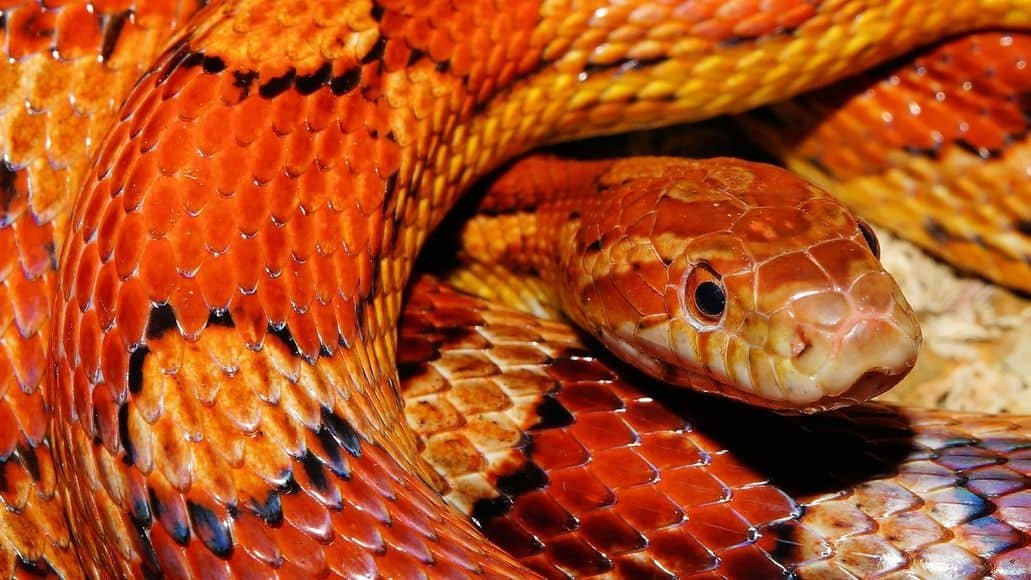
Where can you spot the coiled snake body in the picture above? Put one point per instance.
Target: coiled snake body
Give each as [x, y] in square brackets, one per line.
[221, 345]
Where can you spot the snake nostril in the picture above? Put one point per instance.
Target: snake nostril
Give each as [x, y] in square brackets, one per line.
[801, 344]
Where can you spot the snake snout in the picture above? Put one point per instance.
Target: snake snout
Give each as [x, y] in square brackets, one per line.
[857, 342]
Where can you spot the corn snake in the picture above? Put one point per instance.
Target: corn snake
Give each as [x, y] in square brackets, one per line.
[598, 107]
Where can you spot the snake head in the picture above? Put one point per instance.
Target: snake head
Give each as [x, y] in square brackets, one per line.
[741, 279]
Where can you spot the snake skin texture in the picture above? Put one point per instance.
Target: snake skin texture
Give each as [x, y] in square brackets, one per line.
[958, 119]
[595, 471]
[251, 211]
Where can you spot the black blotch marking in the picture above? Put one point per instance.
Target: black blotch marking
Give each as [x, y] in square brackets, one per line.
[343, 433]
[377, 11]
[346, 81]
[552, 415]
[220, 317]
[313, 469]
[179, 530]
[40, 568]
[937, 231]
[271, 511]
[282, 332]
[415, 56]
[1023, 226]
[123, 434]
[141, 514]
[376, 52]
[443, 66]
[213, 64]
[28, 458]
[192, 60]
[8, 190]
[275, 86]
[136, 368]
[767, 116]
[573, 215]
[337, 463]
[308, 84]
[150, 566]
[243, 80]
[983, 152]
[594, 246]
[161, 320]
[112, 25]
[485, 510]
[529, 477]
[289, 486]
[210, 529]
[786, 540]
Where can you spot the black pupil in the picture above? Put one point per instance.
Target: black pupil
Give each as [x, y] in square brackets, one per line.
[871, 239]
[710, 298]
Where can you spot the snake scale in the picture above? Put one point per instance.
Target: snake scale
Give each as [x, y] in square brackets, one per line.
[210, 215]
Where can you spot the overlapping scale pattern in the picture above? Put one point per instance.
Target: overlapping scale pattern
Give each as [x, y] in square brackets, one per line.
[66, 67]
[955, 121]
[614, 477]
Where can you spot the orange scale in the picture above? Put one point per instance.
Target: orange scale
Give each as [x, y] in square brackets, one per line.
[319, 112]
[31, 303]
[305, 513]
[763, 505]
[191, 313]
[216, 287]
[602, 431]
[256, 538]
[679, 553]
[250, 320]
[139, 181]
[9, 432]
[175, 148]
[116, 366]
[180, 77]
[274, 298]
[694, 486]
[302, 555]
[210, 135]
[348, 559]
[302, 329]
[105, 418]
[356, 527]
[205, 564]
[187, 239]
[197, 96]
[159, 120]
[78, 32]
[246, 262]
[89, 341]
[31, 411]
[286, 113]
[18, 486]
[30, 30]
[85, 276]
[217, 223]
[247, 121]
[346, 314]
[578, 491]
[161, 208]
[28, 358]
[156, 273]
[328, 147]
[283, 198]
[265, 160]
[299, 153]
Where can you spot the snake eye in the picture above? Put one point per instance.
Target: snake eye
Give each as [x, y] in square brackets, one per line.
[710, 298]
[704, 294]
[871, 238]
